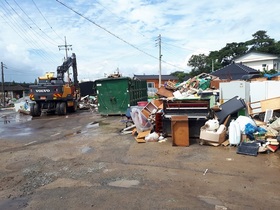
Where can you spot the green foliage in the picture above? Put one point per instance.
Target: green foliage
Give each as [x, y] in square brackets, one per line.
[180, 74]
[260, 42]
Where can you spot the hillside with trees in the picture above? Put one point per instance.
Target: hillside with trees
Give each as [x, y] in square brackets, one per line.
[202, 63]
[260, 42]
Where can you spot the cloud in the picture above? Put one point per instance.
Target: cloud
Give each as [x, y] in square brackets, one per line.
[122, 34]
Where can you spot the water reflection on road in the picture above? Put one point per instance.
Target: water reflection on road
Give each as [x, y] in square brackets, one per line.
[9, 117]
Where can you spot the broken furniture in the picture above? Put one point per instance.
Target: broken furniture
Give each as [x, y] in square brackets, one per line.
[196, 109]
[263, 105]
[230, 107]
[180, 130]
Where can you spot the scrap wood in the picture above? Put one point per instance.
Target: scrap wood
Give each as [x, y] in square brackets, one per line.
[164, 92]
[141, 136]
[225, 143]
[171, 85]
[202, 142]
[140, 140]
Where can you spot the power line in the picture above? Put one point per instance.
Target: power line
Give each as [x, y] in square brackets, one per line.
[184, 48]
[135, 47]
[46, 20]
[17, 28]
[117, 17]
[28, 38]
[36, 25]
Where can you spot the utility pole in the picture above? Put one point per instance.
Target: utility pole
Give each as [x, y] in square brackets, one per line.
[3, 89]
[160, 55]
[66, 47]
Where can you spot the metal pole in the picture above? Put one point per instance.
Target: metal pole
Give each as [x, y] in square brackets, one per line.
[3, 89]
[66, 47]
[159, 45]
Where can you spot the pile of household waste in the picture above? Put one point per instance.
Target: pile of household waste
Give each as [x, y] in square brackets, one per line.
[200, 85]
[88, 102]
[224, 126]
[22, 105]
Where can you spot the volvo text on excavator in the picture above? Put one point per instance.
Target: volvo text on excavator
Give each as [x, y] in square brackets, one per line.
[54, 94]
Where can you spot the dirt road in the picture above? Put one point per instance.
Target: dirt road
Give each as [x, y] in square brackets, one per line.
[82, 161]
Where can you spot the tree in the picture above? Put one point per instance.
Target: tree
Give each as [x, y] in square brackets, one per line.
[198, 64]
[180, 74]
[261, 42]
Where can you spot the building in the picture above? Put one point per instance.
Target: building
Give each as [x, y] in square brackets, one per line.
[260, 61]
[13, 91]
[153, 81]
[235, 71]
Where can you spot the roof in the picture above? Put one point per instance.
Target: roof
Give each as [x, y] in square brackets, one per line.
[163, 77]
[234, 71]
[255, 56]
[15, 88]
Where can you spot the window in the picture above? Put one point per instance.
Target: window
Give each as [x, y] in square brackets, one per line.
[150, 84]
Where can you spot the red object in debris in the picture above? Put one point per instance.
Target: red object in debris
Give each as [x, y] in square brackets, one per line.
[272, 148]
[142, 103]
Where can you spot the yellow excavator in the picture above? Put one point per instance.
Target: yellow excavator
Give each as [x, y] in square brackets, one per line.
[54, 94]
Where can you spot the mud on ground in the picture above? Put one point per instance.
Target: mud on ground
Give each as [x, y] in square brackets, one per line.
[89, 164]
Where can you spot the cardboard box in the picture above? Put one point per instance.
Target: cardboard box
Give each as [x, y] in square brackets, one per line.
[212, 136]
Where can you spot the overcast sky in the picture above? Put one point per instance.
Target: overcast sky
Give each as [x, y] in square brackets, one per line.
[107, 35]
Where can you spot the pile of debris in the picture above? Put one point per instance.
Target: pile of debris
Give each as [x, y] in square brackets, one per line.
[232, 123]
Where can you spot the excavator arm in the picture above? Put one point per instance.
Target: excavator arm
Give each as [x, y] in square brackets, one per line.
[70, 62]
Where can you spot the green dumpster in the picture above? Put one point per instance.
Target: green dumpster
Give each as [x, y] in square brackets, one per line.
[116, 95]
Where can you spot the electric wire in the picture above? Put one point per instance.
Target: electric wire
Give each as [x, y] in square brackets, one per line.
[50, 39]
[118, 17]
[19, 30]
[116, 36]
[34, 34]
[47, 21]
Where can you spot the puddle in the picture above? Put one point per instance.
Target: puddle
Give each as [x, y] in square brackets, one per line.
[93, 125]
[24, 132]
[10, 116]
[124, 183]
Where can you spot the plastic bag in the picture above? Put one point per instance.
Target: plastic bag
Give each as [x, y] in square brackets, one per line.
[140, 121]
[243, 121]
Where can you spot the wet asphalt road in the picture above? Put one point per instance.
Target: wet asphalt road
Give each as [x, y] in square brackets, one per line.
[23, 128]
[82, 161]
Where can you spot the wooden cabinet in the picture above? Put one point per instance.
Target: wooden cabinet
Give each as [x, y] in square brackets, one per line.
[180, 130]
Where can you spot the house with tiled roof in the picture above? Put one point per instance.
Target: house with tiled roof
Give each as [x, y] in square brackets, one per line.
[235, 71]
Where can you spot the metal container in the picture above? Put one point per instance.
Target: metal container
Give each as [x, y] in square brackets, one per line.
[116, 95]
